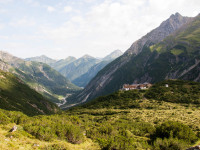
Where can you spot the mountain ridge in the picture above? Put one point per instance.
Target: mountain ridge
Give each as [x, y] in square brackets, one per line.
[80, 71]
[98, 85]
[37, 75]
[42, 58]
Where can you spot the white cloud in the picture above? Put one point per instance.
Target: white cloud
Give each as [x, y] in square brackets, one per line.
[5, 1]
[50, 9]
[2, 26]
[67, 9]
[114, 25]
[99, 28]
[23, 22]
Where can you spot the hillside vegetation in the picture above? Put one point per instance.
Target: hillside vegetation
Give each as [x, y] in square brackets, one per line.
[124, 120]
[15, 95]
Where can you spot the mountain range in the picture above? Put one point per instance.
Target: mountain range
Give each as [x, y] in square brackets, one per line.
[78, 71]
[38, 76]
[170, 51]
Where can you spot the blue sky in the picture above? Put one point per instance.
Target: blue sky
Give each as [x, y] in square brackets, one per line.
[61, 28]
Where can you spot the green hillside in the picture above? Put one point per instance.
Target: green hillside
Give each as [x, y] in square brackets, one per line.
[124, 120]
[15, 95]
[178, 91]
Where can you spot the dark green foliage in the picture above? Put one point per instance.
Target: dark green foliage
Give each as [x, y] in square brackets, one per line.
[178, 91]
[118, 136]
[55, 147]
[171, 129]
[4, 119]
[120, 100]
[54, 127]
[169, 144]
[47, 128]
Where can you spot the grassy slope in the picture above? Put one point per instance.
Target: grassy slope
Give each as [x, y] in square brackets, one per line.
[15, 95]
[122, 119]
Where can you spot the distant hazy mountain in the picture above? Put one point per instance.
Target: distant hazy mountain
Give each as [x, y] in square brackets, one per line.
[78, 71]
[62, 63]
[78, 67]
[42, 58]
[37, 75]
[15, 95]
[84, 79]
[113, 55]
[150, 59]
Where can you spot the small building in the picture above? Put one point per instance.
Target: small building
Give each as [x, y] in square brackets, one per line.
[143, 86]
[128, 87]
[148, 85]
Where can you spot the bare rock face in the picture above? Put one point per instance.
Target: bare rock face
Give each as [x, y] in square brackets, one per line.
[4, 66]
[98, 84]
[194, 148]
[8, 58]
[166, 28]
[14, 128]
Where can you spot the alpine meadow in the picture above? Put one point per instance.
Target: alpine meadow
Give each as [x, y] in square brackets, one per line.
[99, 75]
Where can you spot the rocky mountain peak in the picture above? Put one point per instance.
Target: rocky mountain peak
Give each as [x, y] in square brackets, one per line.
[6, 57]
[176, 15]
[113, 55]
[106, 79]
[86, 56]
[42, 58]
[167, 27]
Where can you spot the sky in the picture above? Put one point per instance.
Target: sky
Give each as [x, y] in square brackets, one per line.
[62, 28]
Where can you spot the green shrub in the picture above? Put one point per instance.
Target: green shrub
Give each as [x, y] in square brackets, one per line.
[172, 129]
[168, 144]
[4, 119]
